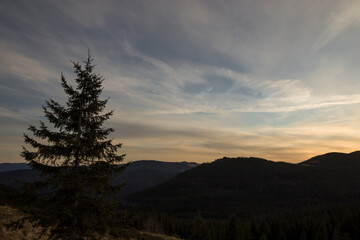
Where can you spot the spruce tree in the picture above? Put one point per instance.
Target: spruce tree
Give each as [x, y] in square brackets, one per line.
[77, 161]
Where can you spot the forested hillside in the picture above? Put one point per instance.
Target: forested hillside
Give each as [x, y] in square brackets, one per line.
[252, 185]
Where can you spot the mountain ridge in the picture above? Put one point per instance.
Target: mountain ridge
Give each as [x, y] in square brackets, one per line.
[239, 185]
[5, 167]
[244, 185]
[139, 175]
[337, 158]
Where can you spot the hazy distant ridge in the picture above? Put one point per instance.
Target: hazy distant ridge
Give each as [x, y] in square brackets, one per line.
[139, 175]
[4, 167]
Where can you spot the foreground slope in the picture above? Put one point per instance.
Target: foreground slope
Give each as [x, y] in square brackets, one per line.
[30, 231]
[248, 185]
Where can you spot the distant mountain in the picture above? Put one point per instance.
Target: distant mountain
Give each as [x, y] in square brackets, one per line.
[248, 185]
[148, 173]
[4, 167]
[12, 178]
[335, 160]
[139, 175]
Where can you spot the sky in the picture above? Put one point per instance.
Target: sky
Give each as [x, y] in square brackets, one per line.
[191, 80]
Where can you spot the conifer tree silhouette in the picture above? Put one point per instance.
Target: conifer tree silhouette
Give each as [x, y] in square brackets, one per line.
[77, 161]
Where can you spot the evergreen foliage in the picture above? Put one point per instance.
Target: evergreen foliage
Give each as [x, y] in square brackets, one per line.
[331, 221]
[77, 162]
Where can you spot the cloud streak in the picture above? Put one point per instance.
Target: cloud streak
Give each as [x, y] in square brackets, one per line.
[192, 80]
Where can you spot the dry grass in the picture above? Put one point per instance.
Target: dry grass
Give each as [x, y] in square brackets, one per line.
[29, 232]
[163, 237]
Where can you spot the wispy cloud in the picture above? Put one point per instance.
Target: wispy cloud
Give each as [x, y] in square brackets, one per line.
[20, 66]
[338, 22]
[193, 80]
